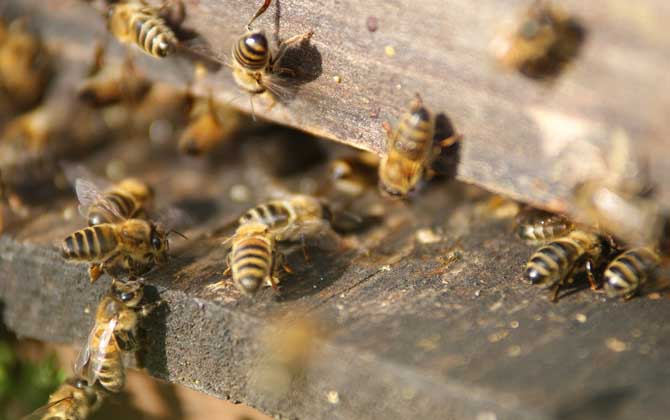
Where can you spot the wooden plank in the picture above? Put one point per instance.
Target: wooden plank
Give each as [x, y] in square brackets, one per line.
[403, 328]
[529, 140]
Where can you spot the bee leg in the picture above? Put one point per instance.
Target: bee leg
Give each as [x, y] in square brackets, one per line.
[589, 265]
[451, 140]
[280, 260]
[304, 248]
[146, 309]
[127, 341]
[94, 272]
[297, 39]
[557, 288]
[228, 269]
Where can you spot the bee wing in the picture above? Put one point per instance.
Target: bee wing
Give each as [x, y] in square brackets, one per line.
[84, 355]
[39, 414]
[99, 351]
[74, 171]
[89, 194]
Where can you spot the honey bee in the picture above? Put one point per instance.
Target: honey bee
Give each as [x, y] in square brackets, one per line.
[628, 272]
[113, 334]
[75, 399]
[292, 218]
[354, 174]
[209, 126]
[135, 22]
[129, 199]
[253, 258]
[114, 84]
[128, 246]
[25, 65]
[544, 40]
[255, 67]
[411, 149]
[536, 226]
[554, 264]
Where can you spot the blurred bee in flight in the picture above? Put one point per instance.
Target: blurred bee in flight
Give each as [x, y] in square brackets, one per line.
[25, 64]
[75, 399]
[411, 150]
[553, 265]
[135, 22]
[256, 68]
[115, 242]
[113, 335]
[353, 175]
[543, 41]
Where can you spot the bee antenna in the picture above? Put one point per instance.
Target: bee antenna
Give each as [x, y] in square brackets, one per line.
[177, 233]
[259, 12]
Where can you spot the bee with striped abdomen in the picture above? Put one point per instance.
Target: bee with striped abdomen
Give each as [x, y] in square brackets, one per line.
[131, 246]
[292, 218]
[130, 198]
[535, 226]
[411, 149]
[253, 258]
[75, 399]
[113, 335]
[135, 22]
[543, 41]
[554, 264]
[255, 67]
[628, 272]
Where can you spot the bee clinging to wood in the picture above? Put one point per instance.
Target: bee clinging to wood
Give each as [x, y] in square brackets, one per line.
[255, 67]
[543, 41]
[554, 264]
[114, 333]
[150, 28]
[629, 272]
[210, 125]
[74, 399]
[411, 149]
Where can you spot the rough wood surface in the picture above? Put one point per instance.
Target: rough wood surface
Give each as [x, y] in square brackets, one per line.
[532, 141]
[407, 329]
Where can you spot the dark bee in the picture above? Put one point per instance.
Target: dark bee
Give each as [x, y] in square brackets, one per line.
[538, 226]
[554, 264]
[631, 270]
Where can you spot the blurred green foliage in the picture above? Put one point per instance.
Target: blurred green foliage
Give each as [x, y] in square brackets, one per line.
[25, 385]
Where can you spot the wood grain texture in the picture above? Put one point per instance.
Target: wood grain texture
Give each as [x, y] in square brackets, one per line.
[532, 141]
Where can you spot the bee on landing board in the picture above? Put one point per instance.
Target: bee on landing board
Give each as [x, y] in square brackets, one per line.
[543, 41]
[554, 264]
[629, 272]
[255, 67]
[113, 334]
[150, 28]
[411, 150]
[120, 245]
[254, 258]
[75, 399]
[292, 218]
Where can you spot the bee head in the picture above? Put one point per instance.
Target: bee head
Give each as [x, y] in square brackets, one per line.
[130, 293]
[159, 245]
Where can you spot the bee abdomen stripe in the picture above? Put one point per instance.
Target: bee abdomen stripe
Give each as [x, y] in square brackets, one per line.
[93, 245]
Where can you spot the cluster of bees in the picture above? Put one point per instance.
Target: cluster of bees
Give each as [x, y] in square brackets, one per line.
[125, 238]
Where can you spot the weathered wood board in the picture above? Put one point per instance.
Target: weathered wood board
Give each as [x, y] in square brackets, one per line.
[407, 329]
[529, 140]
